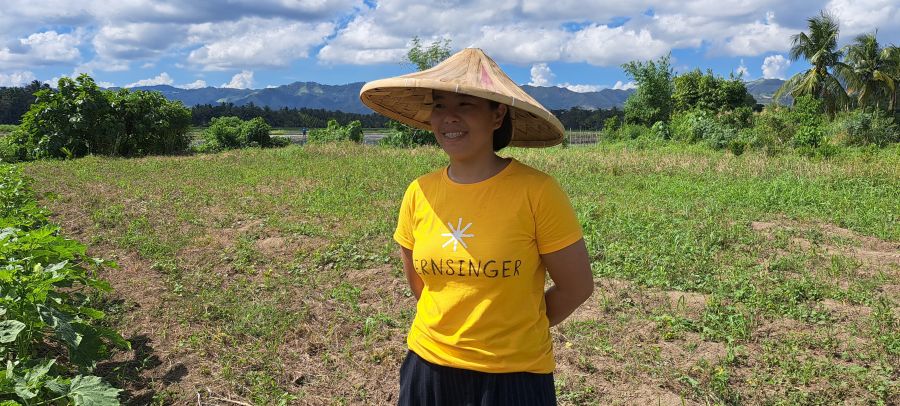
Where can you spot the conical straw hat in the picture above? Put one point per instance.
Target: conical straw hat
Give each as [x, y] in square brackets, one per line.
[407, 98]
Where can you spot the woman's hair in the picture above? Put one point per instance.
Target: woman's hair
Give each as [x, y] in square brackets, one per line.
[502, 135]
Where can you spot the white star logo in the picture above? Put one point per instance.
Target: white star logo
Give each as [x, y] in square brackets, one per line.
[456, 235]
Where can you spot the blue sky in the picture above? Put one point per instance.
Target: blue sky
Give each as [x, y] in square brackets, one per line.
[576, 44]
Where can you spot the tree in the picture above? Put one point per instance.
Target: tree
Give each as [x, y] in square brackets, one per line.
[872, 74]
[426, 58]
[79, 119]
[696, 90]
[652, 101]
[823, 80]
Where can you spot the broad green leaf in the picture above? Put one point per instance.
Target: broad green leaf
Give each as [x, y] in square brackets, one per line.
[39, 371]
[53, 268]
[10, 329]
[92, 313]
[57, 385]
[91, 391]
[60, 323]
[10, 403]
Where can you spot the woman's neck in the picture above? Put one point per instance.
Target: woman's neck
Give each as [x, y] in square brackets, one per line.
[476, 170]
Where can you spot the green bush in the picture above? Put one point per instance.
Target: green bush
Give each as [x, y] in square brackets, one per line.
[255, 133]
[150, 124]
[223, 133]
[865, 127]
[660, 131]
[336, 132]
[633, 132]
[404, 136]
[231, 132]
[79, 119]
[51, 334]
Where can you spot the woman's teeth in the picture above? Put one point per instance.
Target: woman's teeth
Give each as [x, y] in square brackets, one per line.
[453, 135]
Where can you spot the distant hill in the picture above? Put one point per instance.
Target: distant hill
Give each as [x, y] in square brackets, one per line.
[763, 89]
[346, 97]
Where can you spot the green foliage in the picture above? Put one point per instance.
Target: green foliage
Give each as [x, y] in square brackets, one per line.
[150, 124]
[823, 80]
[15, 101]
[426, 57]
[807, 115]
[336, 132]
[696, 90]
[80, 119]
[47, 307]
[865, 127]
[660, 131]
[404, 136]
[255, 133]
[231, 132]
[610, 126]
[652, 101]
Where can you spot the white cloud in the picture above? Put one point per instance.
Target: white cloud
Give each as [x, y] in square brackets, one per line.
[161, 79]
[364, 42]
[136, 40]
[864, 16]
[522, 44]
[541, 75]
[604, 46]
[255, 43]
[624, 86]
[197, 84]
[41, 48]
[742, 71]
[757, 37]
[105, 84]
[243, 80]
[582, 88]
[775, 67]
[16, 79]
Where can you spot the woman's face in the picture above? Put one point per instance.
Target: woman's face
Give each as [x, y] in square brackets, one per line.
[464, 125]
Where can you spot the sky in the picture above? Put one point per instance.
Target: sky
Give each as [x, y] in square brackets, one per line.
[577, 44]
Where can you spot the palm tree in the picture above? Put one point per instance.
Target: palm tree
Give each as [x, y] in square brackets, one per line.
[872, 76]
[822, 80]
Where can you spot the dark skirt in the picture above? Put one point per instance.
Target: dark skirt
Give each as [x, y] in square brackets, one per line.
[426, 384]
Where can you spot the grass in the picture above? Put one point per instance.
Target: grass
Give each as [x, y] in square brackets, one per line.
[721, 279]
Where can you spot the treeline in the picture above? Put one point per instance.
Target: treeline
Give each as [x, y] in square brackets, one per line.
[202, 114]
[15, 101]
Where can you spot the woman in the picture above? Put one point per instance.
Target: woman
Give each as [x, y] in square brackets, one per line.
[478, 237]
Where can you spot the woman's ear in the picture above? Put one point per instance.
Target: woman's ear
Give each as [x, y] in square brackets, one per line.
[499, 115]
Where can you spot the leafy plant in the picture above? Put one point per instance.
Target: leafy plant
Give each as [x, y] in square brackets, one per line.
[47, 291]
[336, 132]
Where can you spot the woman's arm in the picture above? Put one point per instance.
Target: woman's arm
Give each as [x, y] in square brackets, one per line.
[573, 282]
[415, 281]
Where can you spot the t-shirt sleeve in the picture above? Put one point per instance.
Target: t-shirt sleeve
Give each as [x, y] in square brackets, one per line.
[406, 220]
[556, 226]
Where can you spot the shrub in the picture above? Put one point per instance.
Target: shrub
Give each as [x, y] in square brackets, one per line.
[774, 128]
[255, 133]
[336, 132]
[79, 119]
[633, 132]
[865, 127]
[222, 133]
[401, 135]
[150, 124]
[660, 131]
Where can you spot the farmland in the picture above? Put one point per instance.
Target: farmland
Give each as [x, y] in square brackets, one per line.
[268, 276]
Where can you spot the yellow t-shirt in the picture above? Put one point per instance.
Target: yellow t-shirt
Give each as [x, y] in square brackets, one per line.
[477, 248]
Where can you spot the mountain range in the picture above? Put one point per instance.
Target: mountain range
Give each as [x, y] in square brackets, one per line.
[346, 97]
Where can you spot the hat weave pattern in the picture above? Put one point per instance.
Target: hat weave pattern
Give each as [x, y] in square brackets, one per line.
[408, 98]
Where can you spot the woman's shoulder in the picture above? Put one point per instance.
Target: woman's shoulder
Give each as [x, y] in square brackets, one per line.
[527, 173]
